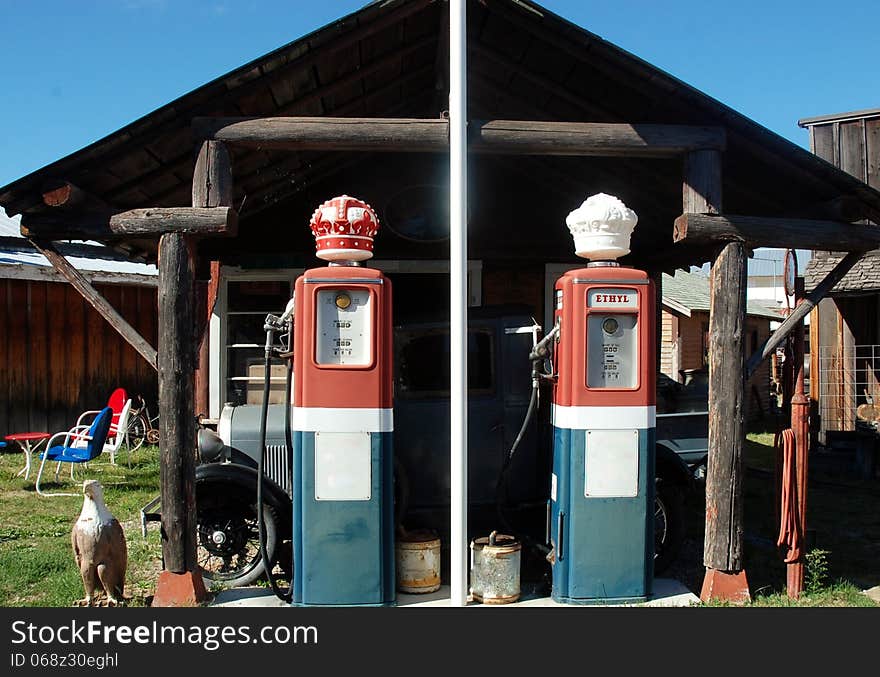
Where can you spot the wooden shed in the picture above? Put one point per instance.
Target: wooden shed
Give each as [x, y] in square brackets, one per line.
[225, 178]
[58, 356]
[845, 330]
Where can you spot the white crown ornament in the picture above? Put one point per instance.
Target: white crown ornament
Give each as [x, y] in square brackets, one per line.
[601, 228]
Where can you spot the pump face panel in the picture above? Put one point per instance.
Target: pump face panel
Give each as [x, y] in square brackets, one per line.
[343, 327]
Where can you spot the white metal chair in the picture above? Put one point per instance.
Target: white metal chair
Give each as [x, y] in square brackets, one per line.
[117, 434]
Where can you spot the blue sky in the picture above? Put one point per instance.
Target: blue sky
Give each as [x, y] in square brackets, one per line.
[76, 70]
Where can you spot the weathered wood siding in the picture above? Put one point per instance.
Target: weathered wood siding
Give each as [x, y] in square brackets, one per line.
[853, 145]
[690, 345]
[58, 357]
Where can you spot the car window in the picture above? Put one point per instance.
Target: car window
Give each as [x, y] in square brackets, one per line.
[423, 362]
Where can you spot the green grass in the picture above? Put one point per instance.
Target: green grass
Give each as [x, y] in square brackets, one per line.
[37, 567]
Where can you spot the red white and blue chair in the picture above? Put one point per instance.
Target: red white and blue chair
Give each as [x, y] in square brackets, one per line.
[80, 444]
[120, 403]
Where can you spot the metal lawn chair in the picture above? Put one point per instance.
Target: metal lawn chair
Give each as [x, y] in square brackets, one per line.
[80, 444]
[120, 403]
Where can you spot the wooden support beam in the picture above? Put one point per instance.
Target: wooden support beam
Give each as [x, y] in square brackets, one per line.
[177, 425]
[148, 221]
[757, 231]
[494, 136]
[327, 134]
[724, 478]
[722, 547]
[98, 302]
[211, 187]
[591, 138]
[809, 302]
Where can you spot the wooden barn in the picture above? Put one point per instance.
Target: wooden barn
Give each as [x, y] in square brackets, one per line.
[219, 186]
[58, 356]
[845, 330]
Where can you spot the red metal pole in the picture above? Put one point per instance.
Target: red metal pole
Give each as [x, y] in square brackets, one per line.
[800, 423]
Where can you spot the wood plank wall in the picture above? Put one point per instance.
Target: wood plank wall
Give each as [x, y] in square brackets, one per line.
[690, 346]
[58, 357]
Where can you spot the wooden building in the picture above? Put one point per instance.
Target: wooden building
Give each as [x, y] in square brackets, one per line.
[58, 356]
[845, 330]
[224, 179]
[684, 335]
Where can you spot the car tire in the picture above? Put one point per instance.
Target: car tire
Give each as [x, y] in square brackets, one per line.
[669, 526]
[228, 551]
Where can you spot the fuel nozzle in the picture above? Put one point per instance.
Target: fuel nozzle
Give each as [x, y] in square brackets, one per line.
[542, 350]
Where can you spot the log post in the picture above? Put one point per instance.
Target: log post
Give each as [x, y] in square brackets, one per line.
[180, 583]
[722, 550]
[212, 187]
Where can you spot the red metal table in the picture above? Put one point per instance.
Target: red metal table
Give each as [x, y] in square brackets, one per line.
[29, 443]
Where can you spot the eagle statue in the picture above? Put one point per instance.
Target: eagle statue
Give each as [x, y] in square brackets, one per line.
[99, 547]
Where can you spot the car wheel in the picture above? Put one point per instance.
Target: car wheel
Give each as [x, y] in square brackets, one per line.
[228, 541]
[668, 524]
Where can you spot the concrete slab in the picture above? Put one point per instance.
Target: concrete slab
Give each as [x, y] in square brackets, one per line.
[667, 592]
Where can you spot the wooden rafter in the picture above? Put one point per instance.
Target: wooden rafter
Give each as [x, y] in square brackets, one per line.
[148, 221]
[493, 136]
[756, 231]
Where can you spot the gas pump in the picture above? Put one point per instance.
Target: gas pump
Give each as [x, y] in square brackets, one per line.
[342, 420]
[603, 416]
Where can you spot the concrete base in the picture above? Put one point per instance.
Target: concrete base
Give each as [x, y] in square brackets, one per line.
[725, 586]
[186, 589]
[667, 592]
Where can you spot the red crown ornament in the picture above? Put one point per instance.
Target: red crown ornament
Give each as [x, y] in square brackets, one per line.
[344, 228]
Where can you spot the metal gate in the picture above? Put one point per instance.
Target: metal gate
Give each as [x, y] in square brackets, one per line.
[849, 378]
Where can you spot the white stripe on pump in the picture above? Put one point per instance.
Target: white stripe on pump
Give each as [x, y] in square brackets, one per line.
[603, 418]
[343, 420]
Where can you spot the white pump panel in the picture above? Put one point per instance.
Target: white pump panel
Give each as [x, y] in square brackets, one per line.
[342, 329]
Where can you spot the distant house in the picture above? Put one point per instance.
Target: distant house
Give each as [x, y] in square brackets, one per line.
[58, 357]
[845, 328]
[685, 331]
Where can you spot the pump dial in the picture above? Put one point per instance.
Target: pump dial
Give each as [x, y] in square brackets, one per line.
[343, 301]
[610, 325]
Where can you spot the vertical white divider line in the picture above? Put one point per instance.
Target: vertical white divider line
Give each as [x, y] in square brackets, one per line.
[458, 300]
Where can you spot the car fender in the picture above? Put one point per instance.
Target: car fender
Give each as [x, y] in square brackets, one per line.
[242, 475]
[671, 468]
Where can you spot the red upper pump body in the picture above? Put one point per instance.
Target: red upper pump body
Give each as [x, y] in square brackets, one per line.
[355, 319]
[606, 350]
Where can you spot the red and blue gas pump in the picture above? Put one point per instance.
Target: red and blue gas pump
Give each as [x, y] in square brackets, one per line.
[603, 416]
[342, 417]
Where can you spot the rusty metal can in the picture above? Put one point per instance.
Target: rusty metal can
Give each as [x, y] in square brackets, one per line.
[495, 565]
[418, 561]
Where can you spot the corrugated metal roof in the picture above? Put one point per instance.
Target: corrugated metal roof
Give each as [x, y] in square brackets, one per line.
[9, 227]
[839, 117]
[15, 250]
[691, 290]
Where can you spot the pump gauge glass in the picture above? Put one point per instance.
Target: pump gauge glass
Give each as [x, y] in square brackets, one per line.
[610, 325]
[343, 301]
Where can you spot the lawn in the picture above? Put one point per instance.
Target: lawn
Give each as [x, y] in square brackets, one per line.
[36, 561]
